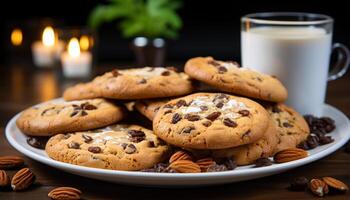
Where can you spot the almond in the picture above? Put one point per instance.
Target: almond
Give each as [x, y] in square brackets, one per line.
[4, 179]
[66, 193]
[180, 155]
[205, 163]
[335, 184]
[185, 166]
[22, 179]
[318, 187]
[290, 154]
[9, 162]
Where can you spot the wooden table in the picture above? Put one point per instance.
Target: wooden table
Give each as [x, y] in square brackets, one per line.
[22, 86]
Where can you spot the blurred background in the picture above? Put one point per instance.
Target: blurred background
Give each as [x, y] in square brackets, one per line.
[208, 28]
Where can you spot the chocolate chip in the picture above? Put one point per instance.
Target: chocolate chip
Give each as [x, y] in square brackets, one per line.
[216, 168]
[180, 103]
[66, 136]
[165, 73]
[312, 141]
[176, 118]
[115, 73]
[206, 123]
[263, 162]
[325, 140]
[287, 125]
[214, 63]
[228, 122]
[230, 164]
[94, 149]
[219, 105]
[130, 149]
[203, 108]
[221, 96]
[259, 79]
[136, 133]
[151, 144]
[88, 106]
[83, 113]
[276, 109]
[167, 112]
[37, 142]
[187, 129]
[213, 116]
[74, 145]
[299, 184]
[222, 70]
[44, 112]
[174, 69]
[303, 145]
[168, 106]
[192, 117]
[87, 138]
[74, 113]
[244, 112]
[142, 81]
[123, 145]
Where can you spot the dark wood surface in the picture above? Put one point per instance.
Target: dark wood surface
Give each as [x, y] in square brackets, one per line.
[22, 86]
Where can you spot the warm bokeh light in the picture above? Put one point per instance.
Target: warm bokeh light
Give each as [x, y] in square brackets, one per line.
[16, 37]
[84, 43]
[73, 47]
[48, 36]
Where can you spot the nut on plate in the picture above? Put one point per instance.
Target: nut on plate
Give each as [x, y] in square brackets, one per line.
[65, 193]
[205, 163]
[185, 166]
[290, 154]
[180, 155]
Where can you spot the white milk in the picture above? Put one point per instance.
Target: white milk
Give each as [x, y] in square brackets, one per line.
[299, 57]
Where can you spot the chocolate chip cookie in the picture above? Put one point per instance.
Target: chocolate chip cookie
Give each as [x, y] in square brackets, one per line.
[149, 107]
[291, 126]
[138, 83]
[229, 77]
[62, 117]
[117, 147]
[249, 153]
[210, 121]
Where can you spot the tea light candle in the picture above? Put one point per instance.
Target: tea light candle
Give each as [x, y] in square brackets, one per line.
[46, 52]
[75, 63]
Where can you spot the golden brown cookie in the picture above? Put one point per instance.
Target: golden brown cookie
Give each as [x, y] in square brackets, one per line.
[117, 147]
[63, 117]
[249, 153]
[137, 83]
[210, 121]
[149, 107]
[291, 126]
[229, 77]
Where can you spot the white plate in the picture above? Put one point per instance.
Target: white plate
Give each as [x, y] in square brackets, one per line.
[341, 136]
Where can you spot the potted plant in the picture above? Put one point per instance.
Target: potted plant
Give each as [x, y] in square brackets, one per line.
[148, 22]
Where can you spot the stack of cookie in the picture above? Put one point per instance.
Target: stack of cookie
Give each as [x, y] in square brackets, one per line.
[84, 129]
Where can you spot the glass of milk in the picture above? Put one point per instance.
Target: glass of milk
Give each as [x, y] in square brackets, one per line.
[295, 47]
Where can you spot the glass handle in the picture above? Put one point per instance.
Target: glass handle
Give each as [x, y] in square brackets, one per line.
[339, 68]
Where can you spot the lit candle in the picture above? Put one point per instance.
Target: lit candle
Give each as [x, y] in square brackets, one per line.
[16, 37]
[46, 52]
[75, 63]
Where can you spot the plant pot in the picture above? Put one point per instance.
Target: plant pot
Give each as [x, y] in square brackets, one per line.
[149, 52]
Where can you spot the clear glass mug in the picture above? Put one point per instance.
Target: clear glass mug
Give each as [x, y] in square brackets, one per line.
[295, 47]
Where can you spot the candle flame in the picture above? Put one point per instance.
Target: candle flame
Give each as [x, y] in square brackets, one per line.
[48, 37]
[84, 43]
[16, 37]
[73, 47]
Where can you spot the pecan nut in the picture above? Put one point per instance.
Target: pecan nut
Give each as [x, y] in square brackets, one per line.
[290, 154]
[66, 193]
[23, 179]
